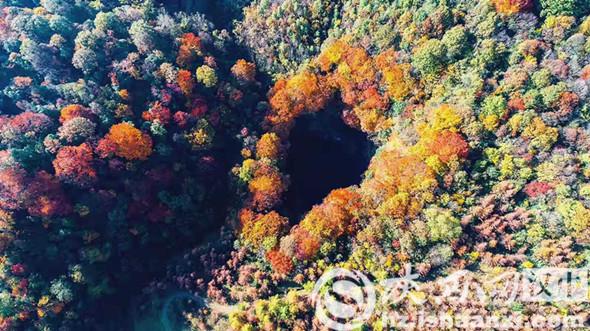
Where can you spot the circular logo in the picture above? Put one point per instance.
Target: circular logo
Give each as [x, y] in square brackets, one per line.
[343, 299]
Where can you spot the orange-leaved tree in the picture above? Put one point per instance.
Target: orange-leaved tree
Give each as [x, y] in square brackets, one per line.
[269, 146]
[73, 164]
[262, 231]
[185, 81]
[244, 71]
[74, 110]
[190, 48]
[266, 187]
[302, 93]
[126, 141]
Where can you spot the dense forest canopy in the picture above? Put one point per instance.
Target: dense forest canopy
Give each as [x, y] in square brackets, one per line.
[174, 165]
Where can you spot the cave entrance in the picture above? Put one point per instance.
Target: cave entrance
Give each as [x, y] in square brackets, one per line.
[324, 154]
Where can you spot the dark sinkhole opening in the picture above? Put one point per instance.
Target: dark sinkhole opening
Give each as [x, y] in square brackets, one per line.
[324, 154]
